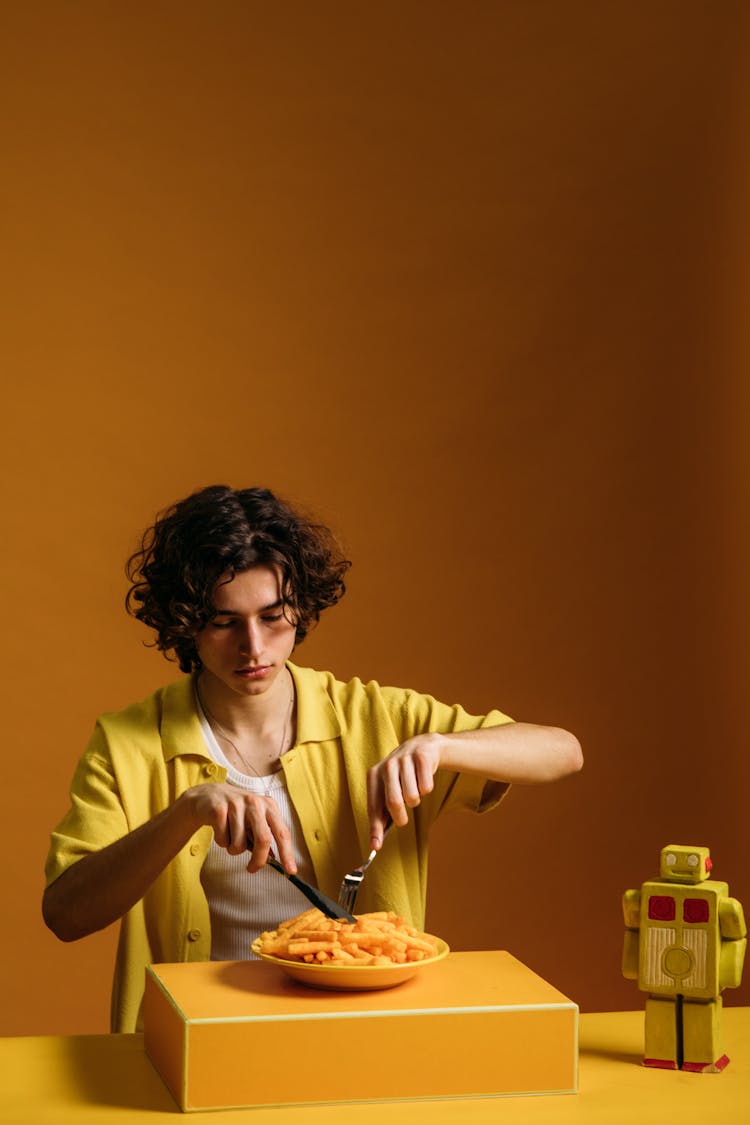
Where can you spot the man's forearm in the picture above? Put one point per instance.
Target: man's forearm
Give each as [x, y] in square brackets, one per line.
[519, 753]
[101, 887]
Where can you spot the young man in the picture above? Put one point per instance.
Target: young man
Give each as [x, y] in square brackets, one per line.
[251, 752]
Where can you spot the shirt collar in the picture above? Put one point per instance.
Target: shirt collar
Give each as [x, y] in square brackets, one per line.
[180, 726]
[317, 719]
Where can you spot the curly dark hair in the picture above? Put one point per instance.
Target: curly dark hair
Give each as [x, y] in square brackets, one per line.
[219, 531]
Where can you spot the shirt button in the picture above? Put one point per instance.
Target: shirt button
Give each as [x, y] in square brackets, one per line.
[194, 935]
[209, 770]
[317, 834]
[194, 849]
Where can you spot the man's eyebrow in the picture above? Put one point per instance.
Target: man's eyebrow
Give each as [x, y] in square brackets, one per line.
[236, 613]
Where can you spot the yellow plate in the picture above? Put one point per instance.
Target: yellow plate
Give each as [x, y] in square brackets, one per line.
[355, 978]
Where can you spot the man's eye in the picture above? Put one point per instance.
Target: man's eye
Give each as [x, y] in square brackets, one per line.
[222, 624]
[273, 617]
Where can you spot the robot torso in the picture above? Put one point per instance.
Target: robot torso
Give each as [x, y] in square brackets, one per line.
[680, 940]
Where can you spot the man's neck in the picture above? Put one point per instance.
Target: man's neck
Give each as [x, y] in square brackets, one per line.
[238, 714]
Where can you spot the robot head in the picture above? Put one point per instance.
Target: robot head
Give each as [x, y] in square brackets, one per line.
[682, 864]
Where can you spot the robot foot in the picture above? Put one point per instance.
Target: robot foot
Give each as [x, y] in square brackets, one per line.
[706, 1068]
[664, 1064]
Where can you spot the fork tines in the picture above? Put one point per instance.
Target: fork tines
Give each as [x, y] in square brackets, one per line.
[353, 880]
[349, 889]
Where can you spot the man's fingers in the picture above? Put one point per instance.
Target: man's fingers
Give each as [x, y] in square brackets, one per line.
[398, 784]
[261, 846]
[248, 822]
[283, 840]
[377, 831]
[407, 780]
[425, 767]
[268, 835]
[393, 793]
[376, 810]
[235, 830]
[222, 833]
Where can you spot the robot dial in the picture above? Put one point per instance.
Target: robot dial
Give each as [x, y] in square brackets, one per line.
[677, 962]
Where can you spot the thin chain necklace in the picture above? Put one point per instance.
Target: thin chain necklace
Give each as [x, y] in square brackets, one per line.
[248, 765]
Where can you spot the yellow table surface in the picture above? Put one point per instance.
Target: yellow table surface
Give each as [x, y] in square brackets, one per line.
[107, 1078]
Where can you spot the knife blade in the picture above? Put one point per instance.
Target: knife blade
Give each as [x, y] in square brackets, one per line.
[325, 904]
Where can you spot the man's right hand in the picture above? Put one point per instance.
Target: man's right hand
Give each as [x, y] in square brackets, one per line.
[243, 821]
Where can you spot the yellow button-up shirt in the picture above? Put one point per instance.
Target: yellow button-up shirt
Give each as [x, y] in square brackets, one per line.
[141, 759]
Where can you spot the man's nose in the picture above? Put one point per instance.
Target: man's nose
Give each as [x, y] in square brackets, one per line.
[250, 641]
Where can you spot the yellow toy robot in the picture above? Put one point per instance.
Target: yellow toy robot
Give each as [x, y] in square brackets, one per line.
[685, 941]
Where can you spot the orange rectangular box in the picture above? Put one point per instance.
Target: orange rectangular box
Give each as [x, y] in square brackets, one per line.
[242, 1034]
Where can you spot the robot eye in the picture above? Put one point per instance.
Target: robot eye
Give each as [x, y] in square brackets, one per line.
[670, 859]
[693, 860]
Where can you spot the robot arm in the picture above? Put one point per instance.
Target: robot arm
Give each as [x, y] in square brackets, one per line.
[733, 942]
[731, 920]
[631, 909]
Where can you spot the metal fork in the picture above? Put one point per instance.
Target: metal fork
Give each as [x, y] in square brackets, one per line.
[349, 889]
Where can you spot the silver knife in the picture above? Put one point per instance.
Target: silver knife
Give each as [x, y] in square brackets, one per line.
[325, 904]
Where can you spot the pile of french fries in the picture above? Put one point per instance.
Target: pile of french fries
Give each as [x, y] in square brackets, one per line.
[380, 938]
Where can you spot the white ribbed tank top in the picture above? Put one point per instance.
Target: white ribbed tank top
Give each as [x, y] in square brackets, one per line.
[242, 905]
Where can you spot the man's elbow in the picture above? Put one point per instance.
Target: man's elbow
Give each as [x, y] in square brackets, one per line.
[549, 754]
[56, 918]
[568, 757]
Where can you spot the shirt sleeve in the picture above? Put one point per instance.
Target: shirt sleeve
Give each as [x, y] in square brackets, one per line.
[422, 714]
[95, 818]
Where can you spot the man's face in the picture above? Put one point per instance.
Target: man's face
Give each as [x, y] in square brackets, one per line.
[246, 644]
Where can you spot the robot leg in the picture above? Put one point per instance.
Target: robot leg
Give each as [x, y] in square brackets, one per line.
[662, 1047]
[703, 1048]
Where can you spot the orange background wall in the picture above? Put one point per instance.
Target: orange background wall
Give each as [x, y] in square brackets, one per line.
[465, 278]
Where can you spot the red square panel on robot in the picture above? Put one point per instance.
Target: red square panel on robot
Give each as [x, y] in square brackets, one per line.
[661, 908]
[695, 910]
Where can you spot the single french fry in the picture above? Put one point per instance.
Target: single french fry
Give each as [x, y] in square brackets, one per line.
[420, 943]
[306, 915]
[297, 947]
[343, 956]
[328, 925]
[316, 935]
